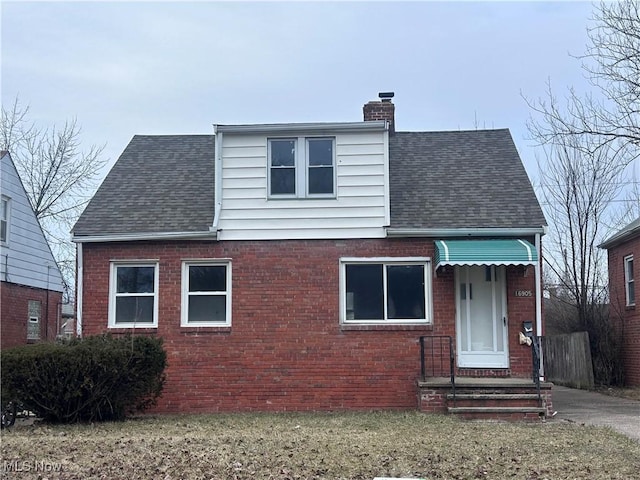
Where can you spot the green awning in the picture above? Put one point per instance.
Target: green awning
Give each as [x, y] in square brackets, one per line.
[485, 252]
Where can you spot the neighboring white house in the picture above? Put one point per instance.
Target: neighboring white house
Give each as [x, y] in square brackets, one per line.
[31, 281]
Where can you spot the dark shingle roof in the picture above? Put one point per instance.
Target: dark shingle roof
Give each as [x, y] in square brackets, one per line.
[460, 179]
[161, 183]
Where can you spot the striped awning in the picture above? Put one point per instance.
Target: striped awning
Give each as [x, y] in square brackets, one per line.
[485, 252]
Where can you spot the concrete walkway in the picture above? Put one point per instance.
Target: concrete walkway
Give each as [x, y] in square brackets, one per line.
[589, 408]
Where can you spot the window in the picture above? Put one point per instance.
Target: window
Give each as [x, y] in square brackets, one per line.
[133, 300]
[629, 281]
[4, 220]
[206, 294]
[320, 165]
[385, 291]
[302, 167]
[33, 325]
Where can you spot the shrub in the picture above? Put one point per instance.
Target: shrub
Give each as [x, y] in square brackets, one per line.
[91, 379]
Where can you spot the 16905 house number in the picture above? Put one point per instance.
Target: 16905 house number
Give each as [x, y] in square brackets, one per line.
[524, 293]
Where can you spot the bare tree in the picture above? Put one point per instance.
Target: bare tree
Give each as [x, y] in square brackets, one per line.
[58, 175]
[589, 141]
[577, 189]
[609, 117]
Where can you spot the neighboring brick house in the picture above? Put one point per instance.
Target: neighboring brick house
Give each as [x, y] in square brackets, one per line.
[30, 281]
[622, 249]
[296, 266]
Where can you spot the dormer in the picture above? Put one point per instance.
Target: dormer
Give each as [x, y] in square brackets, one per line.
[302, 181]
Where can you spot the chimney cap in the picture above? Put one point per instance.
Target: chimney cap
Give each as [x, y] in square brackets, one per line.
[386, 96]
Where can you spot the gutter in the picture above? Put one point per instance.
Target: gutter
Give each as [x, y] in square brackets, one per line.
[130, 237]
[465, 232]
[329, 127]
[620, 237]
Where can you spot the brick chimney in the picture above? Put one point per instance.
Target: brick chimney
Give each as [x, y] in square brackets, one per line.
[381, 110]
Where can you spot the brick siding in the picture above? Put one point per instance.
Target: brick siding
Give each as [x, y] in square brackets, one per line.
[286, 349]
[14, 313]
[626, 319]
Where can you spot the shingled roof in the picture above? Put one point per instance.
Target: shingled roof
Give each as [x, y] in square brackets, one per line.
[457, 179]
[628, 232]
[460, 179]
[160, 183]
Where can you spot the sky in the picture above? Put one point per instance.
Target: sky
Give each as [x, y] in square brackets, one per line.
[126, 68]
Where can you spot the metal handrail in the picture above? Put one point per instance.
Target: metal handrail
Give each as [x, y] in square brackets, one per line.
[428, 342]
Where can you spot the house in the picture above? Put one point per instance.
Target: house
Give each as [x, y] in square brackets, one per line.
[297, 266]
[30, 280]
[622, 247]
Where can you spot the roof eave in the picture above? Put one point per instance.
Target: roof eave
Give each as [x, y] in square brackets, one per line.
[618, 239]
[466, 232]
[378, 125]
[142, 236]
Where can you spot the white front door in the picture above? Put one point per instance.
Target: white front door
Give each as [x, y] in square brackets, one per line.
[481, 318]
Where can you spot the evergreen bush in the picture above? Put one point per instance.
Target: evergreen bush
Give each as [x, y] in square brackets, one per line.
[96, 378]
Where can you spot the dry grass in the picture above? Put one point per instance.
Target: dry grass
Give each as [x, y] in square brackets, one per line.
[632, 393]
[307, 446]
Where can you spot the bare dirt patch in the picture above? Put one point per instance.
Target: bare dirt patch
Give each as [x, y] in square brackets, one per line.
[316, 446]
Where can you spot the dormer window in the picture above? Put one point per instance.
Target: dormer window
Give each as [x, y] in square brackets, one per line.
[282, 159]
[302, 167]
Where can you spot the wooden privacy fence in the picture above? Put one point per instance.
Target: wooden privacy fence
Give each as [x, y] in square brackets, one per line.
[567, 359]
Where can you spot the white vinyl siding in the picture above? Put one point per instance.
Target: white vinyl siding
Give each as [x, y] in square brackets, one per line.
[358, 208]
[629, 281]
[25, 258]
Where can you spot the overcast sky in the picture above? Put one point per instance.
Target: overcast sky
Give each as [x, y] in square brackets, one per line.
[126, 68]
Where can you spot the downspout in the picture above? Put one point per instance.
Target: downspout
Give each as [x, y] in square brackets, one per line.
[58, 318]
[79, 287]
[217, 180]
[538, 275]
[46, 313]
[387, 181]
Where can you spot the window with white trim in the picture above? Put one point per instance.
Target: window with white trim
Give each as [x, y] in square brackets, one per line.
[302, 167]
[385, 291]
[4, 219]
[629, 281]
[133, 297]
[206, 294]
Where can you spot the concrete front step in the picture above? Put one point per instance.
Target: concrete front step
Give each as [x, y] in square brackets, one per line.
[499, 413]
[500, 400]
[493, 396]
[489, 398]
[498, 410]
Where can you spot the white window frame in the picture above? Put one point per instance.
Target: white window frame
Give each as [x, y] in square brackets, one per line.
[184, 308]
[301, 168]
[387, 261]
[6, 219]
[628, 280]
[113, 279]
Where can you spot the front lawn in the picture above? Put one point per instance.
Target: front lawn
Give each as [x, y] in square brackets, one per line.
[307, 446]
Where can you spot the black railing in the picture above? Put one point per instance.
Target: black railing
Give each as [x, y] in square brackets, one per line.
[535, 356]
[437, 358]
